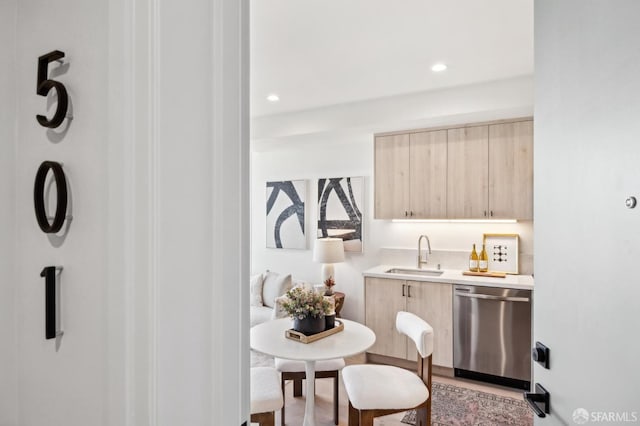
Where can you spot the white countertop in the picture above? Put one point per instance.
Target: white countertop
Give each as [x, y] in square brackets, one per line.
[522, 282]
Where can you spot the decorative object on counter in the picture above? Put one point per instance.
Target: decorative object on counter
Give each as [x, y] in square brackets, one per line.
[328, 284]
[339, 210]
[307, 308]
[485, 274]
[502, 252]
[328, 251]
[473, 260]
[285, 214]
[483, 260]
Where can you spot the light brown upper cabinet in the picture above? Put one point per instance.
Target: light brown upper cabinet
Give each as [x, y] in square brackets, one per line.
[428, 170]
[482, 171]
[410, 175]
[467, 172]
[511, 170]
[391, 176]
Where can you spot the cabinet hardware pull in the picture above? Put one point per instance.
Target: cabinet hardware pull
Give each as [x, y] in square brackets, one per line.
[408, 291]
[485, 213]
[406, 213]
[491, 213]
[411, 213]
[402, 290]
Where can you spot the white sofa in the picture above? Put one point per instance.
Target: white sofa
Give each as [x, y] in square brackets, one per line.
[265, 288]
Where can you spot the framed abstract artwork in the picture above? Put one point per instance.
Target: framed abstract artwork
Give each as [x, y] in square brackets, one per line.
[502, 250]
[340, 210]
[285, 214]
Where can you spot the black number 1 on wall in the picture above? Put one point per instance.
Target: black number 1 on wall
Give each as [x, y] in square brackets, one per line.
[45, 85]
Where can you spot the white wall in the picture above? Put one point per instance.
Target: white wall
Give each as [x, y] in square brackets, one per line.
[340, 150]
[8, 370]
[586, 159]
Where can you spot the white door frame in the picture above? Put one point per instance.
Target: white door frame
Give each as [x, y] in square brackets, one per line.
[150, 102]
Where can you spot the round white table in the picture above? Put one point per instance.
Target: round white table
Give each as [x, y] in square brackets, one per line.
[269, 339]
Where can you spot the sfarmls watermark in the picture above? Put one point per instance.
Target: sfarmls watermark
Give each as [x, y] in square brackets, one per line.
[582, 416]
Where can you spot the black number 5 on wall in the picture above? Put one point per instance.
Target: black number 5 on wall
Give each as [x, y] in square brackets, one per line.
[45, 85]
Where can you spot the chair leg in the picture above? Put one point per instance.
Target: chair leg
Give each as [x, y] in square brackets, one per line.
[297, 387]
[282, 383]
[335, 399]
[366, 418]
[264, 419]
[421, 417]
[354, 416]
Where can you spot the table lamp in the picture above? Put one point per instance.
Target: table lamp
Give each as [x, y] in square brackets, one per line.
[328, 251]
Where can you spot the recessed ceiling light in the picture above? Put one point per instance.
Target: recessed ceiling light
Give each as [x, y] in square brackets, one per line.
[439, 67]
[273, 98]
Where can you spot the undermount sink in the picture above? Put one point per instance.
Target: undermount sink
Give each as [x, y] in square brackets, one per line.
[422, 272]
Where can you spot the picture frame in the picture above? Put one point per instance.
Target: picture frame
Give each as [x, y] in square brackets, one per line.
[503, 252]
[341, 210]
[285, 214]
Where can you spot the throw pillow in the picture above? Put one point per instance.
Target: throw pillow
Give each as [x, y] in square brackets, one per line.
[255, 292]
[274, 285]
[278, 312]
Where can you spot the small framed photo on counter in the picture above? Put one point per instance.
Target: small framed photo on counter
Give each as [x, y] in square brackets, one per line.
[502, 250]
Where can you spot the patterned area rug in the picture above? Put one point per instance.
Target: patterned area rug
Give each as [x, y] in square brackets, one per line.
[456, 406]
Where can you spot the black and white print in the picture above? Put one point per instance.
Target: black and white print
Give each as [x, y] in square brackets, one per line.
[285, 214]
[503, 252]
[339, 210]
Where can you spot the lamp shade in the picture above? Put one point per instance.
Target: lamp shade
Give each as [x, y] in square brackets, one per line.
[328, 250]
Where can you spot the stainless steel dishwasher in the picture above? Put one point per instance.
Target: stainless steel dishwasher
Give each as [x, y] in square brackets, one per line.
[492, 335]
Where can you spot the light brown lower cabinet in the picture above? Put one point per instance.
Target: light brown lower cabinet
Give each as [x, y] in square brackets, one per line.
[432, 302]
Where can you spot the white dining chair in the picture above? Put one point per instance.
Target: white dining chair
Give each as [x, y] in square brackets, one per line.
[266, 396]
[380, 390]
[295, 370]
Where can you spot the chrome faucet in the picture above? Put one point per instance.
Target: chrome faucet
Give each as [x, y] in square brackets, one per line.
[422, 261]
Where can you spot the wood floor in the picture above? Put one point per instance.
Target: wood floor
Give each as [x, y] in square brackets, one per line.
[324, 401]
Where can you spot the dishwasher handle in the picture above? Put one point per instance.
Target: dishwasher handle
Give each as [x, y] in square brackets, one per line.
[496, 298]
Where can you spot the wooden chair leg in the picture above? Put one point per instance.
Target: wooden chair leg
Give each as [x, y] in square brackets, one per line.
[354, 416]
[297, 387]
[282, 383]
[421, 417]
[335, 399]
[366, 418]
[264, 419]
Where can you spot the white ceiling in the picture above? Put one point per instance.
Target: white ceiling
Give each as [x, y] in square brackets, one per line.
[316, 53]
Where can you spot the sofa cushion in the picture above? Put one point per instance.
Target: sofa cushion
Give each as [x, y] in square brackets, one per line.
[259, 314]
[274, 285]
[255, 290]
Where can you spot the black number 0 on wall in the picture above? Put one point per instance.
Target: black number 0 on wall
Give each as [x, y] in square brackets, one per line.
[45, 85]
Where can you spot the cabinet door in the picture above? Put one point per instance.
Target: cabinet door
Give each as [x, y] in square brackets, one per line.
[467, 172]
[428, 168]
[391, 176]
[383, 299]
[511, 170]
[433, 302]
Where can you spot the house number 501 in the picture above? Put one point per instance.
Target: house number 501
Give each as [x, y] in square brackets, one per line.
[45, 85]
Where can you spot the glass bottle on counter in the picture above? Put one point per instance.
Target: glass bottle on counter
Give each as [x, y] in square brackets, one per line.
[473, 260]
[483, 263]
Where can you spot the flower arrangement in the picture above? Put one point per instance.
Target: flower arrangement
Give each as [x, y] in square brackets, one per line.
[329, 283]
[302, 303]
